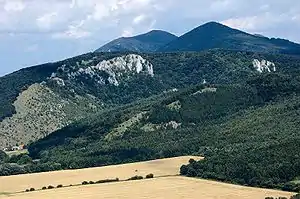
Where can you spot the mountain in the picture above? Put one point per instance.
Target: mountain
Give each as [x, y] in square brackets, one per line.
[108, 108]
[39, 100]
[259, 117]
[148, 42]
[214, 35]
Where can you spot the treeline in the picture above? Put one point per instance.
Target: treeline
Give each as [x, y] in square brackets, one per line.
[23, 163]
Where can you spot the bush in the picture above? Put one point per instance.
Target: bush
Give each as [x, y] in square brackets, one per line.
[84, 183]
[59, 186]
[50, 187]
[44, 188]
[91, 182]
[3, 157]
[150, 176]
[31, 189]
[27, 190]
[183, 170]
[191, 161]
[297, 196]
[107, 181]
[136, 178]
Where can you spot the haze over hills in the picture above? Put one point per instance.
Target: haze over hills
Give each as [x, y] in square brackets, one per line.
[148, 42]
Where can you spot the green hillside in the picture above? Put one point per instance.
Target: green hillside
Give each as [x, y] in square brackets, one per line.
[63, 92]
[223, 123]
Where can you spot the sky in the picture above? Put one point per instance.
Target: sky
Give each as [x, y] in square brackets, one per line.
[38, 31]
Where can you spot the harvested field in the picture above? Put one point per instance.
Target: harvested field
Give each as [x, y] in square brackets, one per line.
[166, 187]
[162, 167]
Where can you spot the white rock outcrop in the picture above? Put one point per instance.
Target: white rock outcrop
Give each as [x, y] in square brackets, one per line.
[116, 68]
[264, 66]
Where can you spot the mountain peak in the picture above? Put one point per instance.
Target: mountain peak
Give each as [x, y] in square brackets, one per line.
[147, 42]
[214, 35]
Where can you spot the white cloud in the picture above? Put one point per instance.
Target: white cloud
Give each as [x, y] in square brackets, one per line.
[14, 6]
[245, 23]
[47, 20]
[128, 32]
[74, 31]
[138, 19]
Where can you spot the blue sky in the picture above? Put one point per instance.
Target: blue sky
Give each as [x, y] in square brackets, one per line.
[39, 31]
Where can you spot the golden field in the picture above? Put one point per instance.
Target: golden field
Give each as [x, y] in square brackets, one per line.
[162, 167]
[168, 186]
[158, 188]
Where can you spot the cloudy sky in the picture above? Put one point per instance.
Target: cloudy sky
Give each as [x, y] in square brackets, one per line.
[38, 31]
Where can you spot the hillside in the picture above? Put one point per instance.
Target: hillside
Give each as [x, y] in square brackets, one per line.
[84, 85]
[208, 103]
[205, 120]
[148, 42]
[213, 35]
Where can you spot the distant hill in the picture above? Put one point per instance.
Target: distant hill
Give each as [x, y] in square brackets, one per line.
[214, 35]
[148, 42]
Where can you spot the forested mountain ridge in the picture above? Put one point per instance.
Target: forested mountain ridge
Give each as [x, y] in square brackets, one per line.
[87, 84]
[148, 42]
[214, 35]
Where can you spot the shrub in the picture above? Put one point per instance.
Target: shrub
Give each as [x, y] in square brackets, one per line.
[84, 183]
[91, 182]
[27, 190]
[50, 187]
[59, 186]
[107, 181]
[297, 196]
[44, 188]
[183, 170]
[150, 176]
[31, 189]
[136, 178]
[191, 161]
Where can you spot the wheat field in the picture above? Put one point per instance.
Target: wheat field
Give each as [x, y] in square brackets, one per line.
[161, 167]
[158, 188]
[168, 186]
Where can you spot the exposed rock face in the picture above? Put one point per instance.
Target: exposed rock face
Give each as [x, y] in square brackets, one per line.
[264, 66]
[114, 70]
[58, 81]
[172, 124]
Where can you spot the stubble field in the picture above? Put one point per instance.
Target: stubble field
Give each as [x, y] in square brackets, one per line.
[166, 184]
